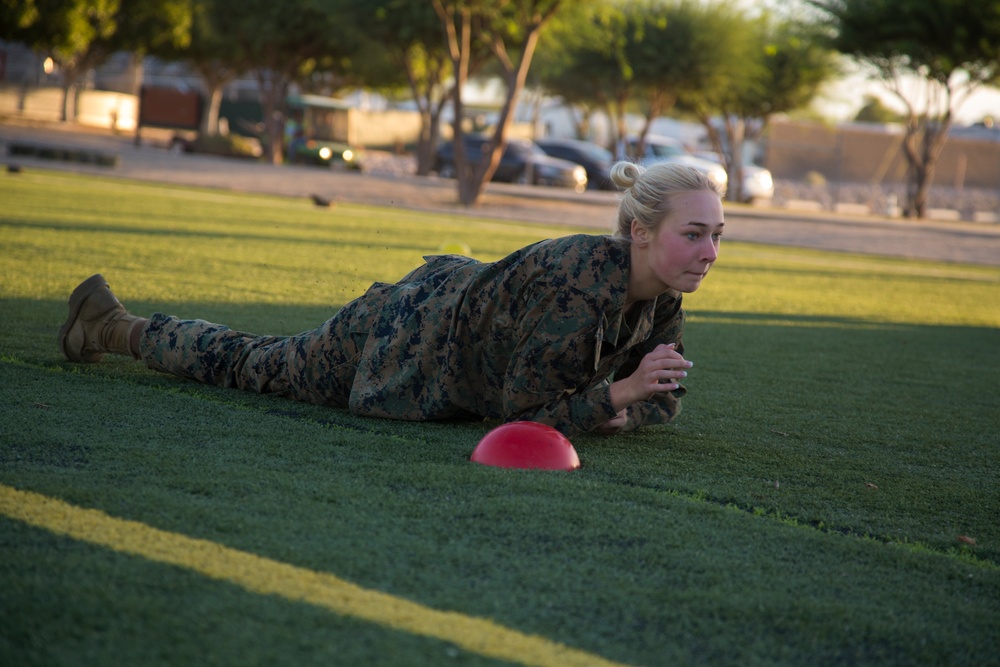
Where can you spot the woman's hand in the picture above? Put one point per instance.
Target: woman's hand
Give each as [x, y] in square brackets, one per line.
[658, 371]
[613, 425]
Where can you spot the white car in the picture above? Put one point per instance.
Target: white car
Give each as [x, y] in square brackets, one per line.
[758, 185]
[659, 148]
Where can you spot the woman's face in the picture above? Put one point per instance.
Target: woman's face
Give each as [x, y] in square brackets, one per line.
[679, 253]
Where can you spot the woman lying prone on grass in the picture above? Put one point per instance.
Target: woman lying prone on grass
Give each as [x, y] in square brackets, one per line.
[582, 333]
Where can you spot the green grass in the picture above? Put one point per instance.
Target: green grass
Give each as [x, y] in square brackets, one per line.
[839, 435]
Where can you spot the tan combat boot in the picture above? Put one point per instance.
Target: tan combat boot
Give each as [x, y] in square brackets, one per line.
[97, 323]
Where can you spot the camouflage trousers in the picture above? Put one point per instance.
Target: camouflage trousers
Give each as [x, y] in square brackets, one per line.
[316, 366]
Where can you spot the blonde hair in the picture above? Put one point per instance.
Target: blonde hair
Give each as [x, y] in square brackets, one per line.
[648, 192]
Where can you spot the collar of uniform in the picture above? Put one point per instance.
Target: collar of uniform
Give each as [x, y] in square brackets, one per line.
[615, 324]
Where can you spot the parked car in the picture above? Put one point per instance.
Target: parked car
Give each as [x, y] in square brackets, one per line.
[314, 133]
[758, 184]
[325, 153]
[659, 148]
[522, 162]
[596, 160]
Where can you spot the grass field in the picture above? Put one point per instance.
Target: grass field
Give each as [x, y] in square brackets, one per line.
[830, 494]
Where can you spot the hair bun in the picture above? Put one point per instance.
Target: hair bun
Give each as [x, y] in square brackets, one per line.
[624, 174]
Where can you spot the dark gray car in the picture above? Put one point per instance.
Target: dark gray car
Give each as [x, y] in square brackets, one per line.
[522, 162]
[596, 160]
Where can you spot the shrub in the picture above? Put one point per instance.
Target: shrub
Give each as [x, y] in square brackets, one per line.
[231, 145]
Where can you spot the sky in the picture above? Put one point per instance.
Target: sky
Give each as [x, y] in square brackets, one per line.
[843, 99]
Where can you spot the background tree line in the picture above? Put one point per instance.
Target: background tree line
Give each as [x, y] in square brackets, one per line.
[728, 67]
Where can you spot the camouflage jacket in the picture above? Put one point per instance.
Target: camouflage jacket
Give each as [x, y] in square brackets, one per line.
[535, 336]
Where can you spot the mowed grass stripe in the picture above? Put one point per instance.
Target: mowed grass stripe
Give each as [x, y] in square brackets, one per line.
[269, 577]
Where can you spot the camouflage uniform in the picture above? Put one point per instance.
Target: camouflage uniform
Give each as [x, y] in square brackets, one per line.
[536, 336]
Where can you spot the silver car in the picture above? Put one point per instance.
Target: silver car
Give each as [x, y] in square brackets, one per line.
[758, 185]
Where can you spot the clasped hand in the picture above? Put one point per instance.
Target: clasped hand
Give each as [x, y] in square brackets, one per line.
[659, 371]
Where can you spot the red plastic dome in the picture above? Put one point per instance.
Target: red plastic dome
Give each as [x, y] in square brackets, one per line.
[526, 445]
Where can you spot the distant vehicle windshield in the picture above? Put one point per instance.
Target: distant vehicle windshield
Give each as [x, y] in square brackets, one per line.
[665, 150]
[598, 152]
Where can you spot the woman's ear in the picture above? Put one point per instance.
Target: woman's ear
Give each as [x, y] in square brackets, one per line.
[640, 235]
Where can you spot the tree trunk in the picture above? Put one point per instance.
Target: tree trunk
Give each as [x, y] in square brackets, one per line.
[922, 145]
[425, 144]
[472, 180]
[621, 131]
[736, 135]
[210, 119]
[430, 116]
[470, 189]
[459, 40]
[427, 141]
[67, 110]
[714, 137]
[138, 73]
[581, 122]
[215, 76]
[516, 79]
[916, 192]
[64, 107]
[272, 86]
[659, 103]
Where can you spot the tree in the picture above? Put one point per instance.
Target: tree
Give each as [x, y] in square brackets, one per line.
[510, 29]
[582, 59]
[285, 41]
[69, 32]
[768, 65]
[949, 48]
[213, 52]
[81, 34]
[712, 60]
[411, 37]
[666, 53]
[874, 111]
[146, 26]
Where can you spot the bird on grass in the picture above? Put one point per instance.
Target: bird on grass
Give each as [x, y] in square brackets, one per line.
[321, 201]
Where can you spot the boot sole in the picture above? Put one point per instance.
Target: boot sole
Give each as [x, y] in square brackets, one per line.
[76, 300]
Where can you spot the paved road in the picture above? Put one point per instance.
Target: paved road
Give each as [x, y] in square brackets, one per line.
[977, 243]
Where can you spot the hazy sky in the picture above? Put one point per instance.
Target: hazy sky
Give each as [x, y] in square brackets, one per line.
[843, 100]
